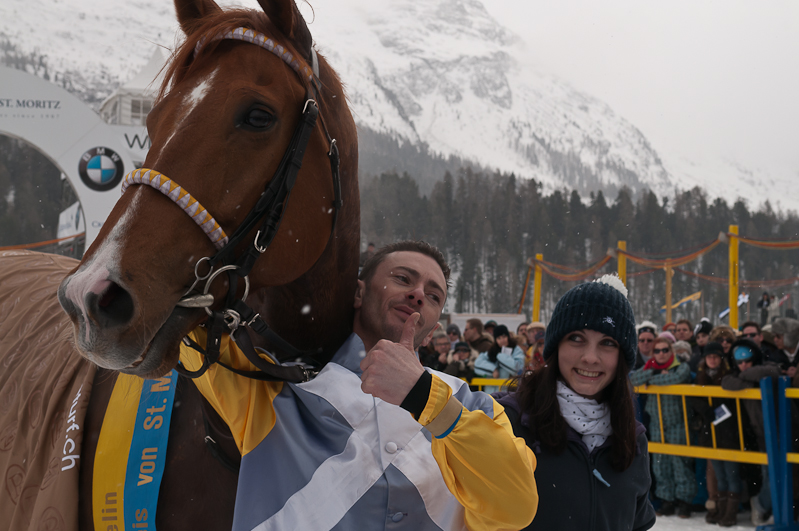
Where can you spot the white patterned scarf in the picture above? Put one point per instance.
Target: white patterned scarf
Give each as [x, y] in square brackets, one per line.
[587, 417]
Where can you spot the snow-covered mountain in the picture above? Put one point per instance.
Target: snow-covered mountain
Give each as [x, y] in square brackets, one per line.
[440, 74]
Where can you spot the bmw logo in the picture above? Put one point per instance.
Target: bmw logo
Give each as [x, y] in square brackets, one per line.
[101, 169]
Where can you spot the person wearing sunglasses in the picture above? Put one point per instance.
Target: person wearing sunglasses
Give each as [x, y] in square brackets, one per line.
[675, 480]
[750, 369]
[726, 336]
[647, 331]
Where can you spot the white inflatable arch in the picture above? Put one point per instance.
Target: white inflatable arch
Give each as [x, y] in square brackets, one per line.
[93, 155]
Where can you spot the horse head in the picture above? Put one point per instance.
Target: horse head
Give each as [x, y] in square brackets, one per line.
[225, 118]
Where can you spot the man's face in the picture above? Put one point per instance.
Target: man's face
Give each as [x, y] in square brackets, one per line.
[441, 344]
[683, 332]
[750, 332]
[779, 341]
[646, 342]
[403, 283]
[470, 333]
[522, 331]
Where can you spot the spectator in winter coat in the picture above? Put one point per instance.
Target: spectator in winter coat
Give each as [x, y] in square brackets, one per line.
[785, 332]
[646, 342]
[750, 370]
[503, 360]
[674, 479]
[534, 356]
[702, 331]
[723, 497]
[434, 355]
[576, 413]
[459, 362]
[454, 335]
[476, 337]
[726, 336]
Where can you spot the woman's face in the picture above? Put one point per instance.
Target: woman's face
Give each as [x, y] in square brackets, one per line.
[587, 360]
[662, 352]
[713, 361]
[502, 341]
[726, 343]
[701, 339]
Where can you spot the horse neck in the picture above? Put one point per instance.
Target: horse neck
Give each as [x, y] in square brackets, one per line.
[328, 288]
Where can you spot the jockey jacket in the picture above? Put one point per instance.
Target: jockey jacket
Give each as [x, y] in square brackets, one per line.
[325, 455]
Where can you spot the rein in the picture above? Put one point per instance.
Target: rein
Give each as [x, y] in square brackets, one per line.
[267, 215]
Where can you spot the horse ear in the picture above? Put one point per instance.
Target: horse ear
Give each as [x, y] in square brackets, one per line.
[285, 15]
[191, 12]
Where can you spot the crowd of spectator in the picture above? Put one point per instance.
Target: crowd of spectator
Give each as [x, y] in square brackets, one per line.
[676, 353]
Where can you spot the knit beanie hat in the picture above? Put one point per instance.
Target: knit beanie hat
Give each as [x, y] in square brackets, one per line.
[703, 326]
[713, 348]
[741, 344]
[601, 306]
[501, 330]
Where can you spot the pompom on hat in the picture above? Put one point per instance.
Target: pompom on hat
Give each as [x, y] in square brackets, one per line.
[601, 306]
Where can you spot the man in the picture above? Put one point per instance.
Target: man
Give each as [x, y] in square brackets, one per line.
[786, 337]
[488, 328]
[646, 343]
[441, 348]
[454, 334]
[684, 331]
[476, 337]
[342, 451]
[521, 335]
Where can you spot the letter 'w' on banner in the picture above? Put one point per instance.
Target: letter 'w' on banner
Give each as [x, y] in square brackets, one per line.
[131, 453]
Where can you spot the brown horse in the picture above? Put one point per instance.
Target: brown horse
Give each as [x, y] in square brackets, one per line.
[225, 117]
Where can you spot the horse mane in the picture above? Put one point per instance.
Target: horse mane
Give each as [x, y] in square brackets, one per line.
[182, 62]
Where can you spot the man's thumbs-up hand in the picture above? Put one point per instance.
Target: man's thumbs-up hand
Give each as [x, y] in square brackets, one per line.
[390, 370]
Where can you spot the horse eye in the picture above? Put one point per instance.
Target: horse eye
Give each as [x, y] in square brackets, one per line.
[258, 118]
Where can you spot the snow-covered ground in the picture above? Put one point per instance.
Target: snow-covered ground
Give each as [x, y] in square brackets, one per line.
[697, 523]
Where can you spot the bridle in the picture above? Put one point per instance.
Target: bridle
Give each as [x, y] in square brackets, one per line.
[267, 215]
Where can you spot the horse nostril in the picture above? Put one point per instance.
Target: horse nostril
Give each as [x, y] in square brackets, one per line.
[113, 307]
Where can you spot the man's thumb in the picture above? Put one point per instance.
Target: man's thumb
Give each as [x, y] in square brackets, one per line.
[408, 330]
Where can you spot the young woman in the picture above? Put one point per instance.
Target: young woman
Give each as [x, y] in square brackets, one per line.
[576, 414]
[503, 360]
[674, 478]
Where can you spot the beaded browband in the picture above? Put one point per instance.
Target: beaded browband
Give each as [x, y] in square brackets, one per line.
[182, 198]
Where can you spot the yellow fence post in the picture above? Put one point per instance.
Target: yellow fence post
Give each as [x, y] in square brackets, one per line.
[621, 261]
[733, 245]
[537, 288]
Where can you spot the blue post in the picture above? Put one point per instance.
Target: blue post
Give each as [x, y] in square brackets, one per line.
[778, 444]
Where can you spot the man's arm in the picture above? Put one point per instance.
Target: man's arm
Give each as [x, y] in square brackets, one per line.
[486, 468]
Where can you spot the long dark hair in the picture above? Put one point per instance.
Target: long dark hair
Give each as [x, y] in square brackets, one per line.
[536, 393]
[496, 349]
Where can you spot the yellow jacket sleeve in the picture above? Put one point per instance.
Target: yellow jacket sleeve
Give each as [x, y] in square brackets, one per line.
[487, 468]
[243, 403]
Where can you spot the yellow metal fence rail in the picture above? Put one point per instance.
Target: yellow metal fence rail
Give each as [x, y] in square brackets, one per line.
[740, 455]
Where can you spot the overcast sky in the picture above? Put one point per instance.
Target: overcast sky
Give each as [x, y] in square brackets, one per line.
[716, 78]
